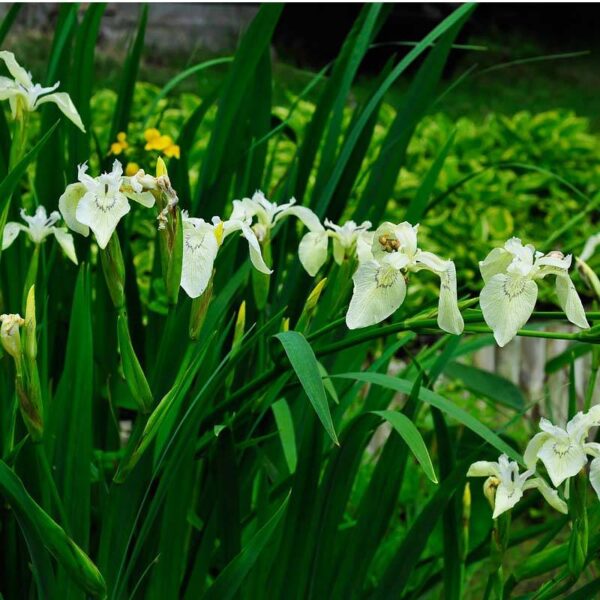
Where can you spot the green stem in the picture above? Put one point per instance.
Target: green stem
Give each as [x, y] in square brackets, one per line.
[19, 139]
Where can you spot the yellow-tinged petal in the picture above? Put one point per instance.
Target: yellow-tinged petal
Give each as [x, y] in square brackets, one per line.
[219, 232]
[161, 167]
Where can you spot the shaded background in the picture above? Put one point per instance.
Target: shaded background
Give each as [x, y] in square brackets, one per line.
[310, 35]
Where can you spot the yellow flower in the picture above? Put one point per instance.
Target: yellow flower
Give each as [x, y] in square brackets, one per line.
[172, 150]
[120, 145]
[162, 143]
[131, 169]
[159, 143]
[151, 134]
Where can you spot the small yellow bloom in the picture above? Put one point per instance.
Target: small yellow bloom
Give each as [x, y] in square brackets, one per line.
[172, 150]
[151, 134]
[120, 145]
[159, 143]
[131, 169]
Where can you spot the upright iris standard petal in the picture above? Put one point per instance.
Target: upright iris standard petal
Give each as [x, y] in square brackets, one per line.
[379, 289]
[495, 262]
[312, 251]
[507, 302]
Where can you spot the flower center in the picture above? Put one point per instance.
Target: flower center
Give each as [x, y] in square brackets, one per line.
[514, 287]
[386, 276]
[106, 201]
[561, 449]
[389, 244]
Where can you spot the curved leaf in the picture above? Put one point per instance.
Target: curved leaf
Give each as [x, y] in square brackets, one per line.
[306, 367]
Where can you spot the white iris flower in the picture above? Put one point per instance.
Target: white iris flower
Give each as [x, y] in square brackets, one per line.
[38, 228]
[504, 476]
[510, 291]
[380, 280]
[564, 451]
[269, 213]
[347, 239]
[99, 203]
[201, 243]
[23, 94]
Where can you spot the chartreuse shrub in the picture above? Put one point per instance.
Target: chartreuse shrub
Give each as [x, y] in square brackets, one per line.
[211, 391]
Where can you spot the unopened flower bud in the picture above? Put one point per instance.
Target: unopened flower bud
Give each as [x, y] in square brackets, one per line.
[489, 490]
[10, 334]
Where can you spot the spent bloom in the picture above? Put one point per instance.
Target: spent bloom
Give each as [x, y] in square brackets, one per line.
[563, 451]
[99, 203]
[268, 214]
[380, 280]
[38, 228]
[23, 94]
[504, 478]
[201, 243]
[348, 239]
[510, 291]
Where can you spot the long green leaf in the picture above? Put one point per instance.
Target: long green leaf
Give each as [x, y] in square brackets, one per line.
[306, 367]
[410, 434]
[231, 578]
[175, 81]
[81, 86]
[404, 386]
[68, 554]
[253, 45]
[457, 16]
[418, 205]
[129, 77]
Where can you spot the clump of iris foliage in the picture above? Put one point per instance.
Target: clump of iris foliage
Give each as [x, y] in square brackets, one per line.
[200, 398]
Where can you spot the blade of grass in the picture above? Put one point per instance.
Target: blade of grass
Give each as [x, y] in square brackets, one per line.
[129, 77]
